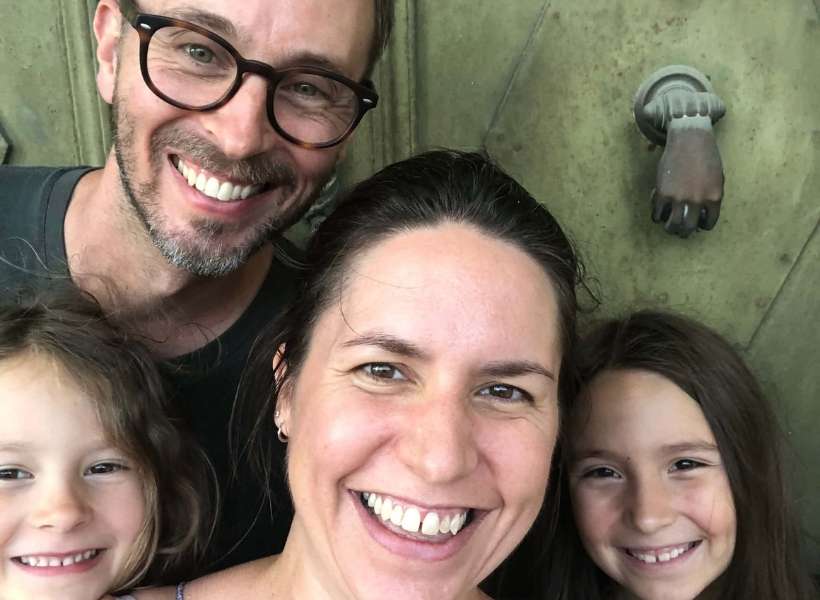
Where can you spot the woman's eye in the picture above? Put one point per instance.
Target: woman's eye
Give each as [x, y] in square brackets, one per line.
[507, 393]
[104, 468]
[10, 474]
[601, 473]
[686, 464]
[200, 54]
[384, 371]
[305, 89]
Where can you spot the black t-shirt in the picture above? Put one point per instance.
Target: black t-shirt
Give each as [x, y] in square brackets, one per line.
[33, 202]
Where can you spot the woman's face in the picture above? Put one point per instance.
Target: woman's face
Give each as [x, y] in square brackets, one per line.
[650, 494]
[423, 419]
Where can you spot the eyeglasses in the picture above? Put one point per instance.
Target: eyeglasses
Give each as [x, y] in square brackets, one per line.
[193, 68]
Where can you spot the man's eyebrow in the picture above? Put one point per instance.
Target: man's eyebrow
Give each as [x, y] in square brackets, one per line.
[386, 342]
[211, 21]
[226, 29]
[514, 368]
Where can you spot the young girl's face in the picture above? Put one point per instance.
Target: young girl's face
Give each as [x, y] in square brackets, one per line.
[70, 503]
[651, 498]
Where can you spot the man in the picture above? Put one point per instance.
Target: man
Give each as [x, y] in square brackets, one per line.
[214, 155]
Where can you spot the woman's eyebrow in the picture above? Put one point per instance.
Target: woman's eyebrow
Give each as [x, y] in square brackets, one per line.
[390, 343]
[513, 368]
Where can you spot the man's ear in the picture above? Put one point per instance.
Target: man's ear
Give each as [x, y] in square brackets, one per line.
[107, 29]
[284, 387]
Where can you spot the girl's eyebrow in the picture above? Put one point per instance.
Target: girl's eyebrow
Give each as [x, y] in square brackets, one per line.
[684, 447]
[14, 446]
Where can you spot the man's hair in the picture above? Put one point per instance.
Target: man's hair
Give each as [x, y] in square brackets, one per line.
[385, 19]
[68, 329]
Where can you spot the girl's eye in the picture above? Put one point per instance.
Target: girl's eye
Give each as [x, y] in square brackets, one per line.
[506, 393]
[686, 464]
[383, 371]
[601, 473]
[10, 474]
[104, 468]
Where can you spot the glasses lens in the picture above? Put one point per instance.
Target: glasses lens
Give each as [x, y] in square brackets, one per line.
[313, 108]
[188, 67]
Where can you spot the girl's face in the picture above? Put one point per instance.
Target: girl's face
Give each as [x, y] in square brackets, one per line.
[423, 419]
[71, 505]
[650, 495]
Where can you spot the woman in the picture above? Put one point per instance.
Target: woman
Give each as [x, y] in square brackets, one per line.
[418, 385]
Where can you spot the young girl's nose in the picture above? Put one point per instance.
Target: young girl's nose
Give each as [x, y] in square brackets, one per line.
[650, 506]
[61, 506]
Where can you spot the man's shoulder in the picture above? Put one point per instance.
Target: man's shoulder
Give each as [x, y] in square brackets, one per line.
[33, 201]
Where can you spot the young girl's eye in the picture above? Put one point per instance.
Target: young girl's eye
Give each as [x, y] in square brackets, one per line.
[384, 371]
[11, 474]
[104, 468]
[506, 393]
[601, 473]
[686, 464]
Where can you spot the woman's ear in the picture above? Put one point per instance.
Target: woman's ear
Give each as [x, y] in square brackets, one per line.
[107, 28]
[284, 388]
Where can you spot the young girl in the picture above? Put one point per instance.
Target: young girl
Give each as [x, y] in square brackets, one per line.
[95, 484]
[674, 471]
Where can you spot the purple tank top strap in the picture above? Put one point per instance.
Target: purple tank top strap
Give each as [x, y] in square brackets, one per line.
[181, 591]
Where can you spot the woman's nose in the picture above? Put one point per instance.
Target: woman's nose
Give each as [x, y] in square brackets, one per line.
[438, 441]
[651, 506]
[61, 507]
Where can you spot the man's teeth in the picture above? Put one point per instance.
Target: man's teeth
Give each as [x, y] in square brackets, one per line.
[410, 518]
[53, 561]
[663, 555]
[224, 191]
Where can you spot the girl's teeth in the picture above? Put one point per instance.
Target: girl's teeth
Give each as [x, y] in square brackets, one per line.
[53, 561]
[410, 519]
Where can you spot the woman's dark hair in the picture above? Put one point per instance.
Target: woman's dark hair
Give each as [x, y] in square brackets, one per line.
[766, 563]
[439, 187]
[68, 328]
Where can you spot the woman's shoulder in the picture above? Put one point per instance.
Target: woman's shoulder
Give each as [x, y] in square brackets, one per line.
[237, 580]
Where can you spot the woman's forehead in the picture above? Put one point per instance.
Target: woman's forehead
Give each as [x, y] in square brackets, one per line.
[451, 284]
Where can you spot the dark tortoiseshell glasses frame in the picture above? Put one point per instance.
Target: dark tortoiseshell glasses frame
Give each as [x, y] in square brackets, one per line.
[146, 25]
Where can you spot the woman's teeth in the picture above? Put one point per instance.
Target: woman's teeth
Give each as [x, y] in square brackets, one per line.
[53, 561]
[410, 518]
[224, 191]
[662, 555]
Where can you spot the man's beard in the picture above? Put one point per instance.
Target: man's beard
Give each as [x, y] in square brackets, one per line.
[203, 251]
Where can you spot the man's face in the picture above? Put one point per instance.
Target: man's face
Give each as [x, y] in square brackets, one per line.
[173, 161]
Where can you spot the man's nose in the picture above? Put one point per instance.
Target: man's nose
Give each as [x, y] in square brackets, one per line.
[438, 441]
[62, 506]
[651, 505]
[241, 127]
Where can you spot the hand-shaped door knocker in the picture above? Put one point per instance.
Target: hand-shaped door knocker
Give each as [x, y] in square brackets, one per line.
[676, 107]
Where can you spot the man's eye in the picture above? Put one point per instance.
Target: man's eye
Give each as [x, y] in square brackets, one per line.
[200, 54]
[383, 371]
[601, 473]
[104, 468]
[506, 393]
[10, 474]
[686, 464]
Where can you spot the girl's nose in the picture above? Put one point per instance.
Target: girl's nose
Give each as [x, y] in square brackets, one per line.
[651, 507]
[61, 507]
